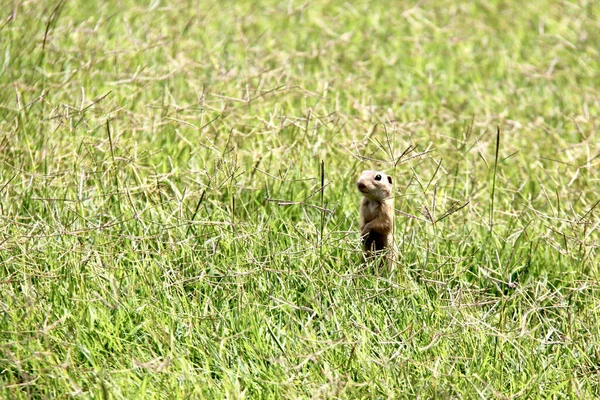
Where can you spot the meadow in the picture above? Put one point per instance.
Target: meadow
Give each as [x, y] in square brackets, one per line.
[179, 215]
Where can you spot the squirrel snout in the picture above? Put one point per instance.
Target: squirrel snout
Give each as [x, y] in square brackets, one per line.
[361, 186]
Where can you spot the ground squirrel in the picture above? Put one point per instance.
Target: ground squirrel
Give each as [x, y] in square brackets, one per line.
[376, 212]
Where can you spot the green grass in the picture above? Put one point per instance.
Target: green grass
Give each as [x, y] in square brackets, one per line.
[164, 230]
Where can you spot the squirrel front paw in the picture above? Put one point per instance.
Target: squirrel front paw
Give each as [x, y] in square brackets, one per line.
[365, 230]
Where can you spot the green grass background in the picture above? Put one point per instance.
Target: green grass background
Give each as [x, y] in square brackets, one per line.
[164, 231]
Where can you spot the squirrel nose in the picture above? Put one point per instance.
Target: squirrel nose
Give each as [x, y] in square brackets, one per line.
[361, 186]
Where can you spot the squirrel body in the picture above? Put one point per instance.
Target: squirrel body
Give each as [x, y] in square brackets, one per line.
[376, 213]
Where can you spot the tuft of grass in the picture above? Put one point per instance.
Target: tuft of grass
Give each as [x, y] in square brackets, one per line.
[178, 215]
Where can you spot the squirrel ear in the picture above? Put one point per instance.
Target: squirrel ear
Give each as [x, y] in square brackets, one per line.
[390, 179]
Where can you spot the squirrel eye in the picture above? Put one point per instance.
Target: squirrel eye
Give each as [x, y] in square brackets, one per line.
[378, 177]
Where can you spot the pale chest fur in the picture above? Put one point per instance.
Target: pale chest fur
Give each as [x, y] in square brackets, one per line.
[369, 210]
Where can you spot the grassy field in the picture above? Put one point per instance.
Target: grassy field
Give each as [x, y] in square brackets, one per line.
[179, 217]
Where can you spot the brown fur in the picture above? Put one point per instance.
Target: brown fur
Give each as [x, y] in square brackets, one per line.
[376, 213]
